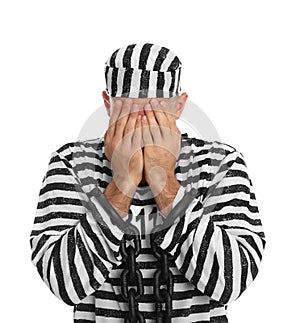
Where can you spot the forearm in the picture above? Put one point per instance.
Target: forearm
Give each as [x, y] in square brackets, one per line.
[120, 200]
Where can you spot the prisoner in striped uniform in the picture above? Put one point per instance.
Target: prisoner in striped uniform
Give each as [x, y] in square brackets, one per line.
[218, 253]
[217, 244]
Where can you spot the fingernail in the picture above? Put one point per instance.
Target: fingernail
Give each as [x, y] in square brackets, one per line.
[163, 103]
[147, 106]
[144, 119]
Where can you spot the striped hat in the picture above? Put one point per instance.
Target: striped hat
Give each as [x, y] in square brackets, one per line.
[143, 71]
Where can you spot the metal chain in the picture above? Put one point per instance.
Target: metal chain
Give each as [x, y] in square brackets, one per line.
[163, 276]
[132, 275]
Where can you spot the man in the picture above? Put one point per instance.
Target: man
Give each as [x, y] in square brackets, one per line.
[144, 167]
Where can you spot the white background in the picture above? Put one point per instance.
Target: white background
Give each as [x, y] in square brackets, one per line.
[240, 65]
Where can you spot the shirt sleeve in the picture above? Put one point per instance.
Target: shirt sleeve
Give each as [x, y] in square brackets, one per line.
[179, 196]
[218, 243]
[73, 253]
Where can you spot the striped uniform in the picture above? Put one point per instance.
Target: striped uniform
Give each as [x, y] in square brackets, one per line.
[218, 246]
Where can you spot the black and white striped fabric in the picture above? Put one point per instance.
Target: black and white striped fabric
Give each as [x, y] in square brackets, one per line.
[143, 71]
[218, 243]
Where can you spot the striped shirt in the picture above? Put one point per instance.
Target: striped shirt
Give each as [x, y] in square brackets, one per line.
[217, 244]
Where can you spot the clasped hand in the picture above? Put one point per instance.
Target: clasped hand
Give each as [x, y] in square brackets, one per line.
[128, 133]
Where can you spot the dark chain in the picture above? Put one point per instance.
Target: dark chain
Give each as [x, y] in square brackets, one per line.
[132, 275]
[163, 276]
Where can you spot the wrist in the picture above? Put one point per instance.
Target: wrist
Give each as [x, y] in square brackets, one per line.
[168, 187]
[117, 197]
[124, 187]
[164, 197]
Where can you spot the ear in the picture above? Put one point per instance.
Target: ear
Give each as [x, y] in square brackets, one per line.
[181, 104]
[106, 102]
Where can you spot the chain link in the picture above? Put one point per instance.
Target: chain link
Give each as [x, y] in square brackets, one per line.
[131, 275]
[162, 277]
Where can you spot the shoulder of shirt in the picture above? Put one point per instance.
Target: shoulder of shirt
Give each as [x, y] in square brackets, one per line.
[215, 146]
[79, 148]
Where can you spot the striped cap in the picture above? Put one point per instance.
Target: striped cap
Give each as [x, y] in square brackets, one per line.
[143, 71]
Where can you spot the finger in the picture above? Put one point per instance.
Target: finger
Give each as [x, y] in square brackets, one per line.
[131, 121]
[122, 120]
[151, 120]
[137, 135]
[169, 106]
[116, 111]
[170, 117]
[159, 113]
[146, 134]
[114, 117]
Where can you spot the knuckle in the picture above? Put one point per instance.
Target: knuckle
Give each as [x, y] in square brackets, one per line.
[119, 122]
